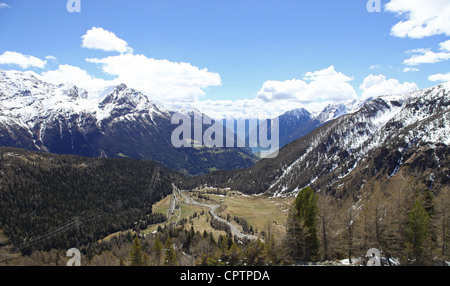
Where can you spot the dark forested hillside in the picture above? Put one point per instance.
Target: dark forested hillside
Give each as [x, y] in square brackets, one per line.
[49, 201]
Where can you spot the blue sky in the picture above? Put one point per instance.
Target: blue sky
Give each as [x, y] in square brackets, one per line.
[282, 54]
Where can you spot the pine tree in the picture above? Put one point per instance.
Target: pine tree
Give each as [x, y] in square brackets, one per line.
[157, 248]
[349, 221]
[273, 252]
[396, 219]
[442, 225]
[417, 233]
[295, 236]
[223, 248]
[171, 256]
[254, 254]
[234, 254]
[136, 254]
[307, 211]
[326, 218]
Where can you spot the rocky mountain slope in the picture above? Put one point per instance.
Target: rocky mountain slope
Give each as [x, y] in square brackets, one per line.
[386, 134]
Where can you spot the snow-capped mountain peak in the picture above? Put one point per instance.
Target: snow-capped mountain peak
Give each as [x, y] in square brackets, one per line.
[421, 117]
[336, 110]
[378, 139]
[32, 105]
[117, 121]
[25, 96]
[298, 113]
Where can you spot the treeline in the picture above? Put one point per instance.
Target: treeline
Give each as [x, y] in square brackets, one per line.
[60, 201]
[246, 227]
[219, 225]
[216, 191]
[237, 179]
[405, 221]
[168, 247]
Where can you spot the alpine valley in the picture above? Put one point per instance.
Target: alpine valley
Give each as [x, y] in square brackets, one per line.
[98, 172]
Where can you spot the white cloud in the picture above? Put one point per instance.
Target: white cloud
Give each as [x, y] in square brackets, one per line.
[294, 89]
[326, 84]
[439, 77]
[162, 80]
[243, 108]
[76, 76]
[408, 69]
[253, 108]
[23, 61]
[101, 39]
[424, 56]
[378, 85]
[445, 46]
[4, 5]
[314, 91]
[249, 108]
[421, 18]
[51, 58]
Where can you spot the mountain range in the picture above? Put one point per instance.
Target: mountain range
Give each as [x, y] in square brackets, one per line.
[116, 122]
[119, 121]
[296, 123]
[385, 135]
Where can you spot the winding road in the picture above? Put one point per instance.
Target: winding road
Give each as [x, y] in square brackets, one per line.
[172, 204]
[213, 208]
